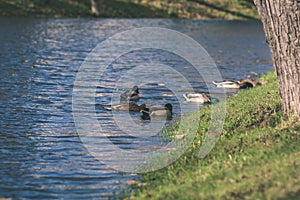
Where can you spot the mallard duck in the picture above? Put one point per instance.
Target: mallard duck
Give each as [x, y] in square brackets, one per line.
[197, 98]
[227, 84]
[244, 83]
[157, 112]
[130, 95]
[130, 106]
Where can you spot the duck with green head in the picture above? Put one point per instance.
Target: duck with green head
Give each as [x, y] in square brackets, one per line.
[200, 98]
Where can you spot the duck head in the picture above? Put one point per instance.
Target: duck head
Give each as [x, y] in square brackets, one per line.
[169, 107]
[145, 113]
[135, 89]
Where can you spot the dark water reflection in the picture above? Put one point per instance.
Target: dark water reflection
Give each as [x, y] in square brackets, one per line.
[41, 153]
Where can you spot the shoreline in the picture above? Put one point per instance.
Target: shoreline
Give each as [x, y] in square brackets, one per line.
[207, 9]
[254, 158]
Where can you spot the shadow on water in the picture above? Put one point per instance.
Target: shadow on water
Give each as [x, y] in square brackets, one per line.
[41, 153]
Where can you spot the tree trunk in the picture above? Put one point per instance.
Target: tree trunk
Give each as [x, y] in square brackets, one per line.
[281, 21]
[94, 8]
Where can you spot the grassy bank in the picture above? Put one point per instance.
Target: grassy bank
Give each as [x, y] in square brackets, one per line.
[199, 9]
[256, 157]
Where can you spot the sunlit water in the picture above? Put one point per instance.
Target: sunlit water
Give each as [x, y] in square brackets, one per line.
[41, 153]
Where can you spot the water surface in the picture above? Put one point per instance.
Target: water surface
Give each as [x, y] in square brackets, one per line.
[41, 155]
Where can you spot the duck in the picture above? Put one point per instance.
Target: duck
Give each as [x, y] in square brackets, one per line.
[250, 83]
[130, 106]
[130, 95]
[157, 112]
[243, 83]
[197, 98]
[227, 84]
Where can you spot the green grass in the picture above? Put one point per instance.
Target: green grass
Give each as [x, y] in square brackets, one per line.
[256, 157]
[45, 8]
[199, 9]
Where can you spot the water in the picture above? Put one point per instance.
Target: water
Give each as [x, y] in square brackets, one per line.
[41, 153]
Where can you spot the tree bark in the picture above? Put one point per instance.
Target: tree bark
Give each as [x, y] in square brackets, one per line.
[281, 21]
[94, 8]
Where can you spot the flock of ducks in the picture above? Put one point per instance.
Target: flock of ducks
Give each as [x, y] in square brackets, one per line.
[127, 104]
[158, 111]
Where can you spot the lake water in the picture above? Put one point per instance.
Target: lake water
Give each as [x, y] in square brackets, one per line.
[41, 154]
